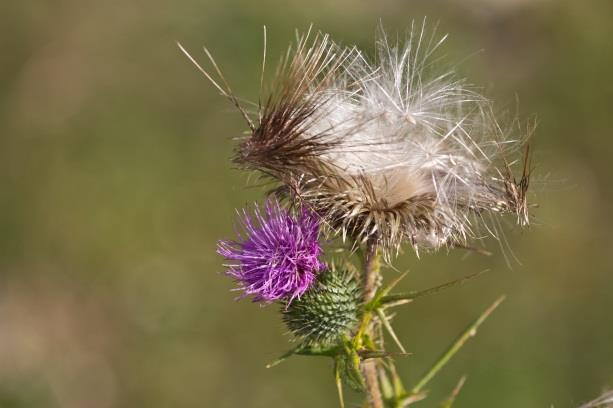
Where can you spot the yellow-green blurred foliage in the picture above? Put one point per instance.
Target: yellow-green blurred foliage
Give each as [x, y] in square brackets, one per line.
[115, 184]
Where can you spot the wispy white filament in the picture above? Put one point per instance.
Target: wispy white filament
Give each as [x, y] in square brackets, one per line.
[387, 150]
[407, 130]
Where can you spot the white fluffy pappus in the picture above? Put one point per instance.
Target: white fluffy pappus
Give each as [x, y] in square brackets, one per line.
[385, 151]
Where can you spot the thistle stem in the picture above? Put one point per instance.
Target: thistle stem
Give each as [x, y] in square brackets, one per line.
[369, 367]
[371, 271]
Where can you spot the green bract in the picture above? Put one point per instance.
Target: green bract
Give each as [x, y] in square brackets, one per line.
[328, 310]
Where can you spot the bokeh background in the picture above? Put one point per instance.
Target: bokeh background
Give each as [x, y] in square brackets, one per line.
[115, 184]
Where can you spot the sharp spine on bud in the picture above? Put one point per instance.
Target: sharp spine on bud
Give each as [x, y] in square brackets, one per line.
[330, 309]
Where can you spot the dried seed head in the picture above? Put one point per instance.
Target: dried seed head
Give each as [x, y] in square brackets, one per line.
[387, 151]
[284, 141]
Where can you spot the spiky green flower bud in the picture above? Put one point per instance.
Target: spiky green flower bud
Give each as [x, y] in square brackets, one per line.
[328, 310]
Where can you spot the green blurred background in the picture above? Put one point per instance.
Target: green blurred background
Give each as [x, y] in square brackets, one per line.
[115, 184]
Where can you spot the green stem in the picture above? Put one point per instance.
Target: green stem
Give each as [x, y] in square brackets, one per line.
[455, 347]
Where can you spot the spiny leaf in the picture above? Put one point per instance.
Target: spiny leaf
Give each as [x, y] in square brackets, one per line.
[402, 298]
[304, 349]
[451, 399]
[470, 331]
[390, 330]
[339, 383]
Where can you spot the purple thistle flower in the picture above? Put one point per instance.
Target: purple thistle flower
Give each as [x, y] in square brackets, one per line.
[277, 256]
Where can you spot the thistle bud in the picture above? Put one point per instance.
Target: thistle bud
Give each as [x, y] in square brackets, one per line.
[328, 310]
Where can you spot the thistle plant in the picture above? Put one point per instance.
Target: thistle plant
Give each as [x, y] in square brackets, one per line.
[372, 155]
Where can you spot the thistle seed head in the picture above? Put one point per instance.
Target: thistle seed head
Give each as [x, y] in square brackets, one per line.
[391, 150]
